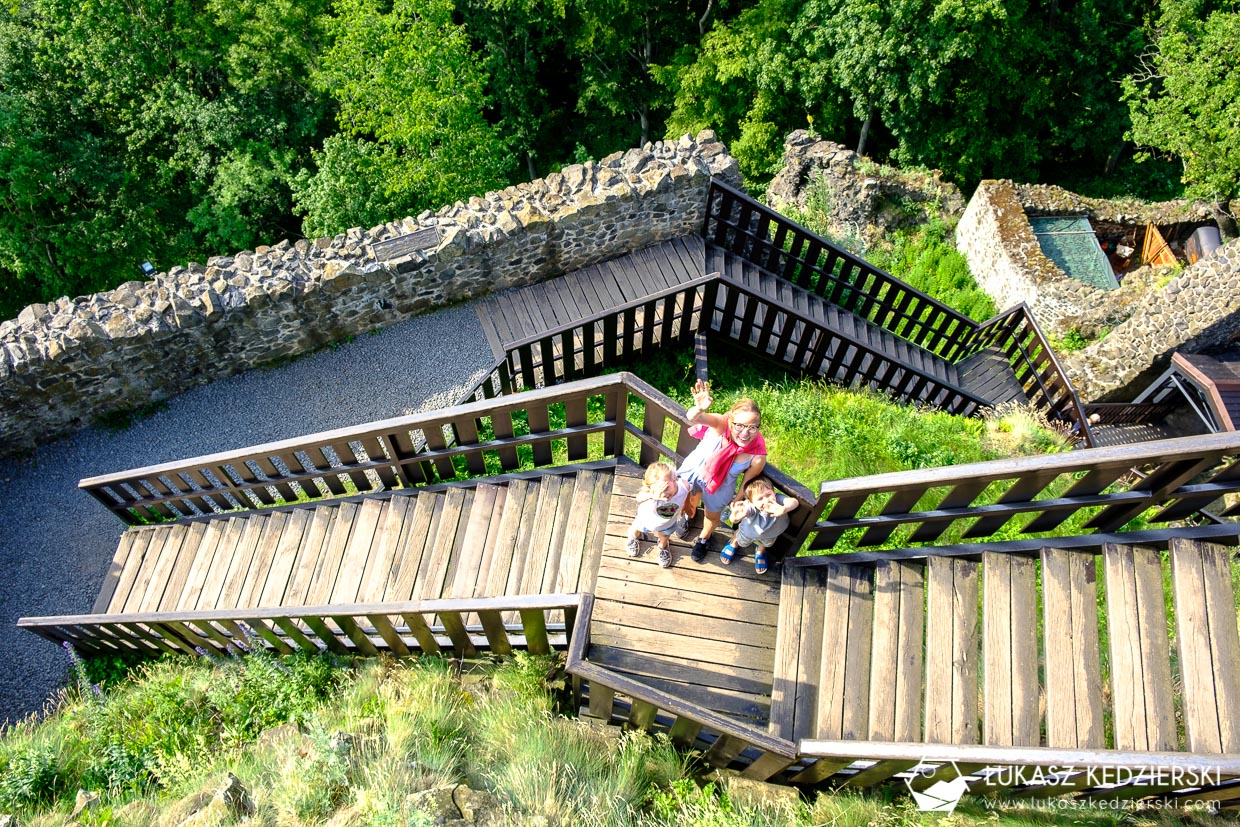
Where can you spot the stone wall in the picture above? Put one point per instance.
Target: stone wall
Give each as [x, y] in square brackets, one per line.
[1193, 311]
[64, 364]
[1198, 311]
[995, 236]
[862, 200]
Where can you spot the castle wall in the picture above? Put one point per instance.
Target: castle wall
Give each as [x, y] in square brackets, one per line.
[64, 364]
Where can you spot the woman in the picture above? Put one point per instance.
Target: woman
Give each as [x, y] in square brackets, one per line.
[731, 445]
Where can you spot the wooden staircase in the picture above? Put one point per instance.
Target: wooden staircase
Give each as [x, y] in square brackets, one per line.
[521, 537]
[861, 353]
[902, 650]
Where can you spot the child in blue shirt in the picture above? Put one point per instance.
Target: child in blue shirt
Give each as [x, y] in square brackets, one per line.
[759, 518]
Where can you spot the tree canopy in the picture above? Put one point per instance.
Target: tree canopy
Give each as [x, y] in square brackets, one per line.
[1184, 100]
[172, 130]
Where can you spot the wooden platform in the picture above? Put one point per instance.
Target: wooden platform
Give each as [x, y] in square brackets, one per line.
[524, 537]
[852, 665]
[703, 632]
[518, 314]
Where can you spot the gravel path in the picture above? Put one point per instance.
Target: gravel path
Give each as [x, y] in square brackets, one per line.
[56, 542]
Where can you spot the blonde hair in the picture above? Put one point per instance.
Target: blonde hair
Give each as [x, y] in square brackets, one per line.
[756, 484]
[654, 481]
[745, 405]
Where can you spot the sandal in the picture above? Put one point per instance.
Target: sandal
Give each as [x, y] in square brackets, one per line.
[759, 561]
[728, 554]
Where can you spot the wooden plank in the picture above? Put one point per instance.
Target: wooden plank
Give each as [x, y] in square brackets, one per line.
[383, 550]
[113, 575]
[899, 626]
[1010, 650]
[213, 580]
[208, 547]
[180, 573]
[596, 532]
[629, 585]
[284, 559]
[328, 566]
[723, 653]
[133, 565]
[662, 665]
[573, 547]
[467, 566]
[790, 631]
[704, 582]
[441, 541]
[357, 551]
[157, 575]
[1209, 651]
[239, 567]
[516, 573]
[951, 651]
[1143, 712]
[639, 614]
[1074, 711]
[563, 515]
[308, 553]
[260, 567]
[146, 570]
[506, 534]
[490, 543]
[844, 678]
[410, 547]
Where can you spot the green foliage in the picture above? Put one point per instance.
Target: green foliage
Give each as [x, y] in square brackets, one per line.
[126, 136]
[1183, 101]
[927, 260]
[409, 93]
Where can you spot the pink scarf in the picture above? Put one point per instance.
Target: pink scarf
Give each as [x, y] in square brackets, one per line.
[717, 465]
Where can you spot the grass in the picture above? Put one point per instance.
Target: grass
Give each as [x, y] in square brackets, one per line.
[366, 740]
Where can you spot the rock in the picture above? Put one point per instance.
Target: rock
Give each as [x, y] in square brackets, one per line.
[438, 804]
[235, 797]
[7, 820]
[756, 794]
[86, 800]
[477, 806]
[863, 200]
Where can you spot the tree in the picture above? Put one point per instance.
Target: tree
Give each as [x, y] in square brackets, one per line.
[131, 133]
[410, 100]
[1183, 101]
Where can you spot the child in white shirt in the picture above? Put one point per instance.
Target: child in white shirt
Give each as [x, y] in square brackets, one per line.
[659, 505]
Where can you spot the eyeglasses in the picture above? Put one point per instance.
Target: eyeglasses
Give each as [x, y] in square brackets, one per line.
[746, 429]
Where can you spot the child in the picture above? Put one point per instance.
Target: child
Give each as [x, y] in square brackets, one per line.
[759, 518]
[659, 504]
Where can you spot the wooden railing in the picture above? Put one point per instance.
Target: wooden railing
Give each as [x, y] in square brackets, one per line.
[1037, 369]
[490, 437]
[1179, 477]
[1029, 772]
[1128, 413]
[365, 629]
[767, 239]
[724, 741]
[740, 225]
[795, 340]
[589, 346]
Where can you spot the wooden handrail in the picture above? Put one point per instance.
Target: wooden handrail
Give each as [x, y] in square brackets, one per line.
[1106, 482]
[944, 329]
[1017, 322]
[362, 627]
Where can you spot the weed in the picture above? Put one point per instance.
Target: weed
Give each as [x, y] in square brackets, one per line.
[117, 421]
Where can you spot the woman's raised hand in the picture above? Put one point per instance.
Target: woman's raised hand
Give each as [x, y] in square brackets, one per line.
[701, 395]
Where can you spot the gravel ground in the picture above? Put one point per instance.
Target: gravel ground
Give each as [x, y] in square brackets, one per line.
[56, 542]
